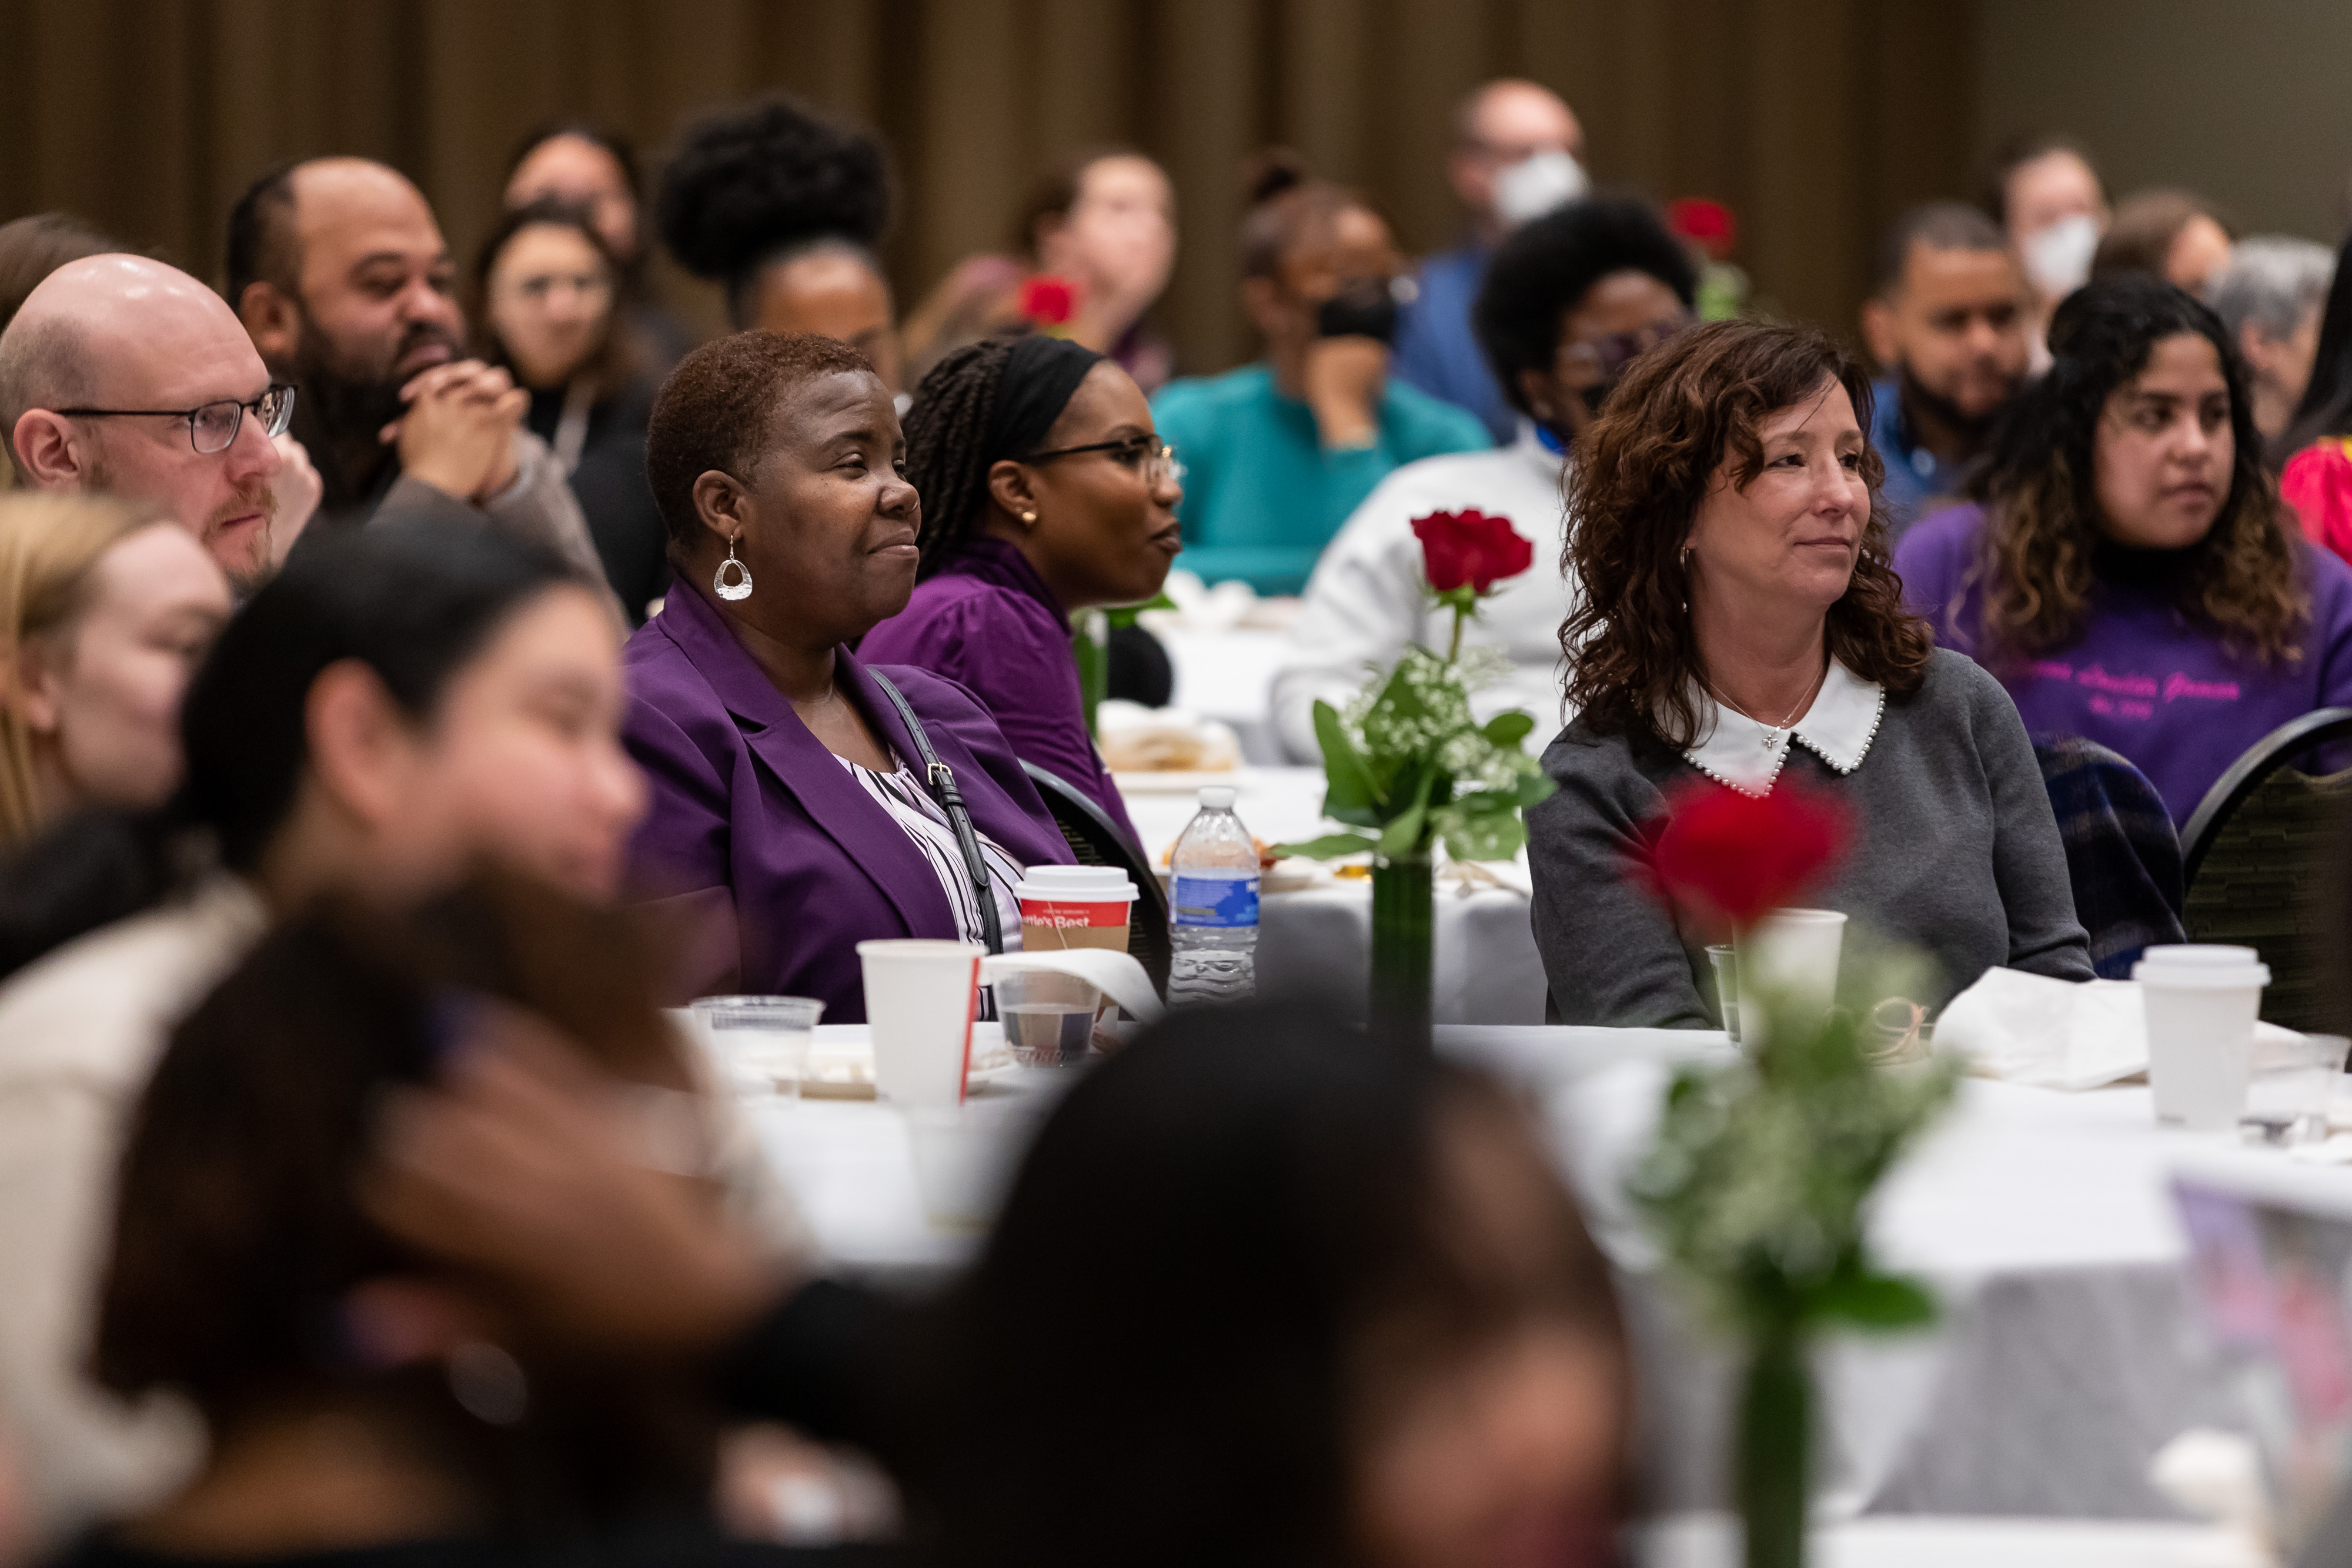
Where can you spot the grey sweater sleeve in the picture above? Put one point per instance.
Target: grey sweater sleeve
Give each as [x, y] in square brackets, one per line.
[1611, 954]
[2029, 858]
[536, 504]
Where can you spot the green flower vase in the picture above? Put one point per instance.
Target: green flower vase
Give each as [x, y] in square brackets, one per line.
[1774, 1460]
[1402, 920]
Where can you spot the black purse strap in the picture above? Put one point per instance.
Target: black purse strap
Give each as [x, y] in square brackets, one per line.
[940, 779]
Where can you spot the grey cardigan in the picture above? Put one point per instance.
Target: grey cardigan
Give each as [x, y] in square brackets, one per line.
[1956, 852]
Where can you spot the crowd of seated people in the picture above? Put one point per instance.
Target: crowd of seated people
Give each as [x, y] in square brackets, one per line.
[412, 679]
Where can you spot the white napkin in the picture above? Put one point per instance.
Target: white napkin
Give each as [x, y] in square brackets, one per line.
[1116, 975]
[2054, 1034]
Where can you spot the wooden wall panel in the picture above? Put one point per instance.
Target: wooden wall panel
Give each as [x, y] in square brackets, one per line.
[1815, 119]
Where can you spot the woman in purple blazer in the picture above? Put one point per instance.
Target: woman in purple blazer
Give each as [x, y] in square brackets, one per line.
[1046, 489]
[790, 819]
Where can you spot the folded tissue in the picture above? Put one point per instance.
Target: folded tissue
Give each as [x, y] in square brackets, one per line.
[2054, 1034]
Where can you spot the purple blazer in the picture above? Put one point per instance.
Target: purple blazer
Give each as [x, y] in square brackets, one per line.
[769, 862]
[987, 621]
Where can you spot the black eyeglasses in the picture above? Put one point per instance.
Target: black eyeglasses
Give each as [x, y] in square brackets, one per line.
[1156, 459]
[212, 426]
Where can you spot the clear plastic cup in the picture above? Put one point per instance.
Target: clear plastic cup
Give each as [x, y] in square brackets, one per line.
[920, 999]
[1049, 1017]
[761, 1042]
[1727, 987]
[2290, 1086]
[2200, 1000]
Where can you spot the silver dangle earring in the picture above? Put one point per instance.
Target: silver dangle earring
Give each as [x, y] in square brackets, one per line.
[732, 591]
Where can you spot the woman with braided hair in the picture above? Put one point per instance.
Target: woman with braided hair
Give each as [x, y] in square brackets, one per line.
[1046, 489]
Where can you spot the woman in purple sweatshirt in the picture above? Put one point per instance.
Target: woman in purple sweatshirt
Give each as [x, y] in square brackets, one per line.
[1046, 489]
[2127, 570]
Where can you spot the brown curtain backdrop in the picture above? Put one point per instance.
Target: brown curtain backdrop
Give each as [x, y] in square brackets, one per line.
[1815, 119]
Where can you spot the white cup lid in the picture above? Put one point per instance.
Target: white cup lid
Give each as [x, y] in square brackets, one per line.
[2200, 964]
[1077, 883]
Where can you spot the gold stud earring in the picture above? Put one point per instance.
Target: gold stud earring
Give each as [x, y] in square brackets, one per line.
[1028, 517]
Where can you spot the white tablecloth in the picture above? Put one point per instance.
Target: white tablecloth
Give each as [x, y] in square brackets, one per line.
[1317, 942]
[1713, 1542]
[2068, 1353]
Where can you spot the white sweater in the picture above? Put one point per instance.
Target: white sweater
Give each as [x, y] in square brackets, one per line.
[1367, 599]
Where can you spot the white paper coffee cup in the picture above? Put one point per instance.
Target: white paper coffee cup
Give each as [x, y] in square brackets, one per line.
[1793, 953]
[2201, 1001]
[1073, 906]
[920, 999]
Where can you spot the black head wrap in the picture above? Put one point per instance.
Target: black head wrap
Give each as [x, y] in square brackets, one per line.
[1040, 376]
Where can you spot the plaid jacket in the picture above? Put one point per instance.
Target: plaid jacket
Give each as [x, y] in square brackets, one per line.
[2122, 853]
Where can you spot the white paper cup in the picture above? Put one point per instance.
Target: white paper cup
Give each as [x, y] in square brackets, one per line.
[920, 999]
[964, 1159]
[1793, 953]
[2202, 999]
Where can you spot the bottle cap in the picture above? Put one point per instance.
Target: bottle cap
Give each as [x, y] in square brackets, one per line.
[1217, 797]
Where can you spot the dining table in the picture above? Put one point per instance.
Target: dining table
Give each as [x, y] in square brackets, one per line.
[1315, 926]
[2068, 1350]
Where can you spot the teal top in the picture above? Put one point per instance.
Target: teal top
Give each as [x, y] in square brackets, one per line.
[1261, 497]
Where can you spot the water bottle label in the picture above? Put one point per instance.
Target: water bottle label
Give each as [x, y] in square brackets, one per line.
[1214, 900]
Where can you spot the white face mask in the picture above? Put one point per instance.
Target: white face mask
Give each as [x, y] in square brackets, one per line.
[1536, 184]
[2058, 259]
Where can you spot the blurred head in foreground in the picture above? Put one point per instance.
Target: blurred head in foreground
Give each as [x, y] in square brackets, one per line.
[245, 1273]
[1265, 1292]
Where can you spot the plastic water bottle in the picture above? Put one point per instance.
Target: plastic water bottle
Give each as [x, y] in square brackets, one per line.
[1213, 906]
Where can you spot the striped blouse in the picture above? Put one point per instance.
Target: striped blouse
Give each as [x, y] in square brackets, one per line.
[900, 794]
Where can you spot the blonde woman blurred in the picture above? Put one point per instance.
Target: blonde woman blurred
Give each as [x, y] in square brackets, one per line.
[105, 608]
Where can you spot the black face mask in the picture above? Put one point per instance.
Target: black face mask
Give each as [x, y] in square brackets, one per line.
[1364, 308]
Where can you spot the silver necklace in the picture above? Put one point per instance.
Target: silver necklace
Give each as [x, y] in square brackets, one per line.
[1773, 732]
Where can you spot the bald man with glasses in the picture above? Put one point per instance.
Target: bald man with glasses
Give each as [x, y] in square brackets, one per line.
[125, 375]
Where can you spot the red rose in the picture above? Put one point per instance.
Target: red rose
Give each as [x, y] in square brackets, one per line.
[1049, 301]
[1471, 547]
[1726, 853]
[1706, 225]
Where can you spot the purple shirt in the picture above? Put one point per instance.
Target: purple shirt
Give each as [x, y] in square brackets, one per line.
[769, 862]
[988, 621]
[2139, 678]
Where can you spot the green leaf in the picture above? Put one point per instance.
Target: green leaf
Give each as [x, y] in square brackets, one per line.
[1487, 802]
[1330, 846]
[1408, 828]
[1507, 729]
[1535, 788]
[1876, 1300]
[1351, 791]
[1125, 615]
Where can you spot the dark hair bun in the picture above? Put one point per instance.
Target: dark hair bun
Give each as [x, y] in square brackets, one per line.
[750, 181]
[1272, 171]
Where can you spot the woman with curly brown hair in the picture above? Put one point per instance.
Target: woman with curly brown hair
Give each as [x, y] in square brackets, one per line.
[2128, 571]
[1738, 620]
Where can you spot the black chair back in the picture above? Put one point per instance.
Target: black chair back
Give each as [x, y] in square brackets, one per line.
[2261, 864]
[1095, 840]
[2123, 858]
